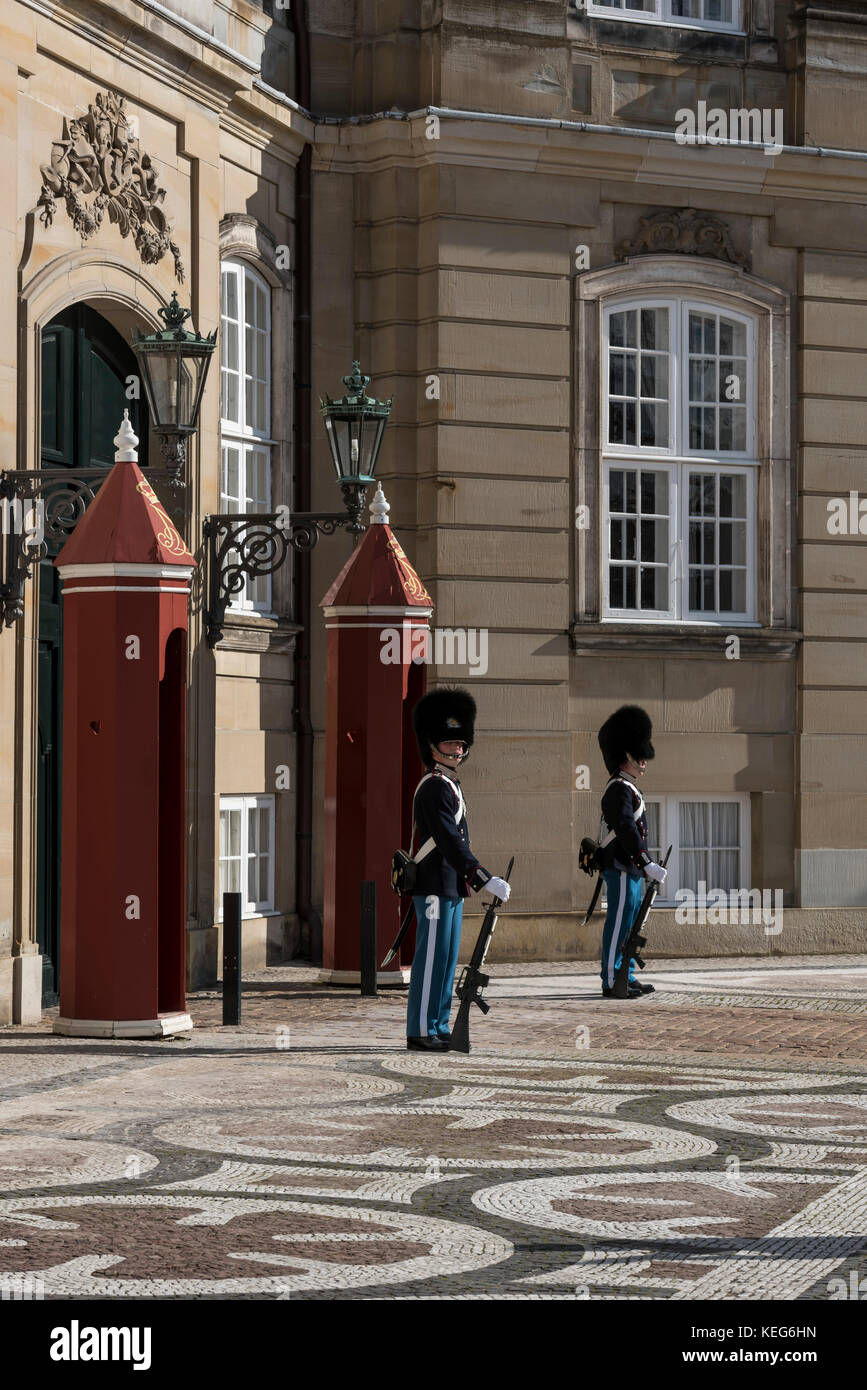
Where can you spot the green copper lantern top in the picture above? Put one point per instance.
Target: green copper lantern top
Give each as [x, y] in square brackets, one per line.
[355, 402]
[174, 317]
[355, 426]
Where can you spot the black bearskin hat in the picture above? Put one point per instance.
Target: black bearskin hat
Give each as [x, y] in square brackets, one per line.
[440, 716]
[626, 732]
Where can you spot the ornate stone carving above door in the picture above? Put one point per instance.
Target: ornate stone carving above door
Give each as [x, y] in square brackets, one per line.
[687, 231]
[98, 167]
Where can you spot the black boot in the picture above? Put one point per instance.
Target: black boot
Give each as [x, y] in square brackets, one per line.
[426, 1045]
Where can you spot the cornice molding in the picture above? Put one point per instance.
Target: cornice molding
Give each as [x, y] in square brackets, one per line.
[242, 234]
[678, 273]
[578, 150]
[145, 36]
[844, 12]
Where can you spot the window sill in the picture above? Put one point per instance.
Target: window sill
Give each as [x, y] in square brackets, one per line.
[692, 640]
[678, 36]
[248, 631]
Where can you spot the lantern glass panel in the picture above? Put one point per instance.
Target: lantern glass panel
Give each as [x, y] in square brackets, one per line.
[183, 394]
[160, 383]
[331, 435]
[194, 373]
[373, 431]
[343, 434]
[356, 448]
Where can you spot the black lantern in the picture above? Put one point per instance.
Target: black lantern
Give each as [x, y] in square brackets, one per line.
[174, 367]
[355, 426]
[243, 545]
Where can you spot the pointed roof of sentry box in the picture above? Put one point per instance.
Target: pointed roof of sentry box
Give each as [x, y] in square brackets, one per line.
[377, 573]
[125, 523]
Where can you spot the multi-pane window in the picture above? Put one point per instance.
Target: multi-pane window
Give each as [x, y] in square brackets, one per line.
[717, 542]
[246, 405]
[246, 488]
[709, 843]
[247, 851]
[638, 570]
[638, 370]
[717, 382]
[678, 443]
[653, 815]
[703, 14]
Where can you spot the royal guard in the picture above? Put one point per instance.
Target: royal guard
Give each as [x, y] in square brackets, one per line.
[445, 869]
[623, 858]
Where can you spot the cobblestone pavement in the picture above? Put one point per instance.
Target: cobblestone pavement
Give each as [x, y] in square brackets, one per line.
[706, 1142]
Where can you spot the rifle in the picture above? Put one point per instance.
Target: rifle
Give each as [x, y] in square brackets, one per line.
[632, 945]
[472, 980]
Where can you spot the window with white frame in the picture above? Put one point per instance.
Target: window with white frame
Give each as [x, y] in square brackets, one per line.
[709, 838]
[247, 851]
[693, 14]
[245, 427]
[679, 442]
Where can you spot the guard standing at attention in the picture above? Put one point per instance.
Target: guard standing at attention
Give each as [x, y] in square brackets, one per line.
[444, 721]
[623, 858]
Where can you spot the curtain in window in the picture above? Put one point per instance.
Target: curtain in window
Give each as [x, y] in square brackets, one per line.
[709, 845]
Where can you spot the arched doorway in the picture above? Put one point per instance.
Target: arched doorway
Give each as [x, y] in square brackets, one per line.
[85, 366]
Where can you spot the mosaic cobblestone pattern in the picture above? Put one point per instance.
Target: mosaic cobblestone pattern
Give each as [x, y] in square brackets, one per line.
[236, 1166]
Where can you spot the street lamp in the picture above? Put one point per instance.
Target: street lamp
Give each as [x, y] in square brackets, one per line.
[243, 546]
[174, 367]
[354, 426]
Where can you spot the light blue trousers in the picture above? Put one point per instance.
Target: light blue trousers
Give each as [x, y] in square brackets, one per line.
[437, 942]
[624, 900]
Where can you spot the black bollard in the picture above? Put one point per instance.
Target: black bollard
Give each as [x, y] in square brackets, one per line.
[231, 958]
[368, 938]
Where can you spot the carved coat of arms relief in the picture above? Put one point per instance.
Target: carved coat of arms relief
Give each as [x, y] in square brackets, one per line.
[98, 167]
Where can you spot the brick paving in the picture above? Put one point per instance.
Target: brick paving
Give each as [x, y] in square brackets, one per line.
[706, 1142]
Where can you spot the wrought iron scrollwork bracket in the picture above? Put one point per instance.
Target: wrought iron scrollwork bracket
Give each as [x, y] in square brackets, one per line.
[39, 509]
[251, 545]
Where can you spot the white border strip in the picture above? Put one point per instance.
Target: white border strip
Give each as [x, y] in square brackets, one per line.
[125, 589]
[131, 569]
[363, 611]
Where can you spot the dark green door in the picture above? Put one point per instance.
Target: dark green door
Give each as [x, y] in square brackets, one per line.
[85, 367]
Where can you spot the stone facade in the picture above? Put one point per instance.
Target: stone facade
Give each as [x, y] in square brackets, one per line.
[224, 144]
[520, 135]
[487, 179]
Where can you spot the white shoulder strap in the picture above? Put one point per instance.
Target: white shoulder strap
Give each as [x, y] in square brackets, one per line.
[430, 843]
[636, 815]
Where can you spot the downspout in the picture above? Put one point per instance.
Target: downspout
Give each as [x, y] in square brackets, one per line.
[307, 914]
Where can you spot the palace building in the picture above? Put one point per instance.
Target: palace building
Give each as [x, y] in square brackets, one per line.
[609, 257]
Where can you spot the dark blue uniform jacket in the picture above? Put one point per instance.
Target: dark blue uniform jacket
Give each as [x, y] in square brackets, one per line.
[628, 850]
[450, 869]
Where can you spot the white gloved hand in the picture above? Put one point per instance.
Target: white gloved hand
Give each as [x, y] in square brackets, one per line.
[656, 872]
[499, 887]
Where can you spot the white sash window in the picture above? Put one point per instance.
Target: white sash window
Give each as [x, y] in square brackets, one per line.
[245, 427]
[710, 840]
[679, 442]
[247, 852]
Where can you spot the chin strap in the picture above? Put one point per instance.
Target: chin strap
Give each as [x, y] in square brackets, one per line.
[437, 757]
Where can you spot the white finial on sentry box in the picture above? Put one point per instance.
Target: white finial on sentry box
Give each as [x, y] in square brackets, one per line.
[125, 442]
[379, 508]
